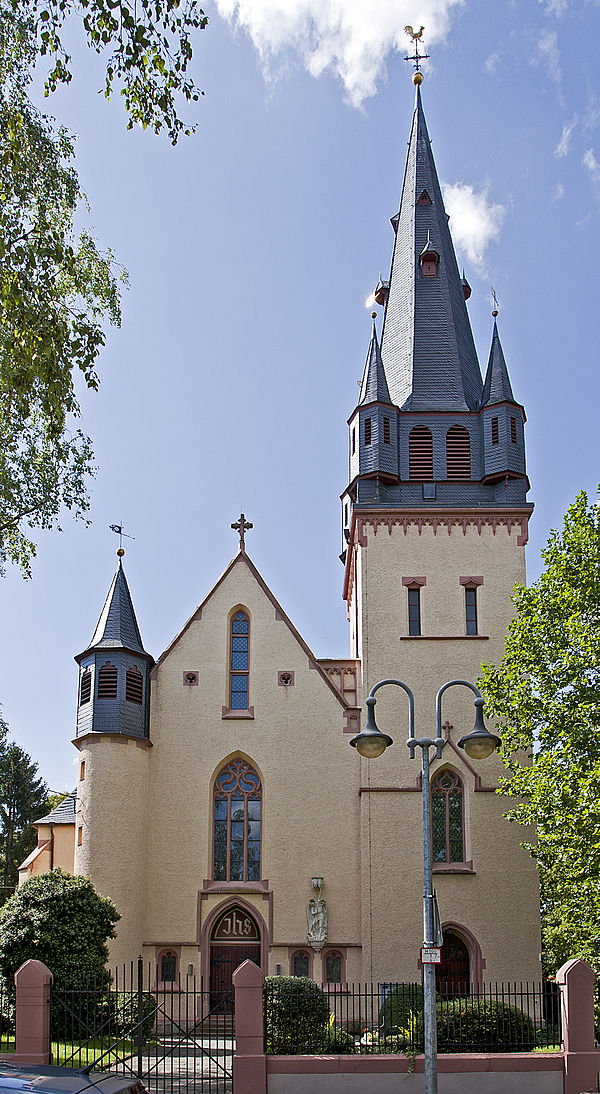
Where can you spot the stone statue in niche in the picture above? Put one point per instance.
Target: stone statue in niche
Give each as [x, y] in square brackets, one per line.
[316, 915]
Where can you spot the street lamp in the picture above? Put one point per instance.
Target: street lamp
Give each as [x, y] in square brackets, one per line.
[478, 744]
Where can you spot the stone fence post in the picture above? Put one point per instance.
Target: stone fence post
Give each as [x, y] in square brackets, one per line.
[581, 1059]
[32, 1014]
[249, 1062]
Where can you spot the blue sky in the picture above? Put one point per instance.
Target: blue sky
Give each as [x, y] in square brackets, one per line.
[251, 248]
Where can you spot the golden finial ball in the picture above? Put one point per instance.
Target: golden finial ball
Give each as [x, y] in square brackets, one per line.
[417, 78]
[495, 312]
[120, 552]
[373, 315]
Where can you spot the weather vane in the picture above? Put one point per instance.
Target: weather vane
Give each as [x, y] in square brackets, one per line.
[416, 57]
[118, 528]
[494, 302]
[242, 525]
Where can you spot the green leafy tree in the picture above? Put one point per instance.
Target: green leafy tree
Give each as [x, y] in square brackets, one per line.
[23, 798]
[546, 695]
[62, 921]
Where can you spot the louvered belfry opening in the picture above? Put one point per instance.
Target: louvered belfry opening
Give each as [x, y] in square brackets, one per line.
[458, 453]
[85, 691]
[107, 681]
[134, 685]
[420, 454]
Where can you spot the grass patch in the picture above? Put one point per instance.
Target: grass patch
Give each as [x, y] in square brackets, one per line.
[83, 1053]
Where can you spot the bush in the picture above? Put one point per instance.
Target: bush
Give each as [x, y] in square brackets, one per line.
[400, 1007]
[125, 1021]
[483, 1026]
[298, 1020]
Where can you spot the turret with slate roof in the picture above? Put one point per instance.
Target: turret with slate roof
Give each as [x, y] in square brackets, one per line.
[427, 376]
[114, 669]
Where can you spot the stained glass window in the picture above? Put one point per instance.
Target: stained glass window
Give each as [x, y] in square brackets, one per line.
[300, 964]
[447, 817]
[471, 609]
[414, 610]
[239, 661]
[237, 819]
[333, 967]
[168, 967]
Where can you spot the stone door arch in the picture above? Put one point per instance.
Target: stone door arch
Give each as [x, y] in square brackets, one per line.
[235, 936]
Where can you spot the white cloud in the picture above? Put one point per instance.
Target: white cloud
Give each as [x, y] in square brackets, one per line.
[548, 47]
[589, 160]
[475, 221]
[346, 38]
[555, 7]
[492, 62]
[559, 192]
[563, 145]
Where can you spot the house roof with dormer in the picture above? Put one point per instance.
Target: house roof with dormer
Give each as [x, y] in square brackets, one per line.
[497, 387]
[427, 346]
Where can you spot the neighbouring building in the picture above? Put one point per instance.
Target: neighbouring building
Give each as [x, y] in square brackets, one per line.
[218, 803]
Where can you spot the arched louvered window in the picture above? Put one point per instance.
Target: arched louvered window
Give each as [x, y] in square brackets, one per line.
[134, 685]
[85, 689]
[237, 818]
[107, 681]
[458, 453]
[239, 663]
[420, 454]
[447, 817]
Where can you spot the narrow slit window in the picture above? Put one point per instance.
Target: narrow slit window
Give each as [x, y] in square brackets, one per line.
[82, 770]
[513, 430]
[239, 664]
[367, 431]
[107, 681]
[353, 441]
[495, 432]
[386, 431]
[414, 610]
[471, 609]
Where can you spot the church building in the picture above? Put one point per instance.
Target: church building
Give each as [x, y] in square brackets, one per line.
[218, 802]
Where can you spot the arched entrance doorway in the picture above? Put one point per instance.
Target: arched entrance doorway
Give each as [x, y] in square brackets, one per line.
[234, 937]
[454, 974]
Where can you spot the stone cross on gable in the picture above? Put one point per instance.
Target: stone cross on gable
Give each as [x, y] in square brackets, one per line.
[242, 525]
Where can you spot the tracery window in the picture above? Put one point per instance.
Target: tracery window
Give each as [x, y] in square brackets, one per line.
[237, 818]
[107, 681]
[239, 663]
[447, 816]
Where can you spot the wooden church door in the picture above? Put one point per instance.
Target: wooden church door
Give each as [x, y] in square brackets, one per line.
[235, 938]
[453, 975]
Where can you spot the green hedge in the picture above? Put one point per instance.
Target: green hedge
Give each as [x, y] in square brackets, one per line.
[298, 1021]
[463, 1024]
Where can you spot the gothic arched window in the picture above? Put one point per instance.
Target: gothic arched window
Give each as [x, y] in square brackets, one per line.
[420, 454]
[237, 816]
[447, 816]
[458, 453]
[239, 661]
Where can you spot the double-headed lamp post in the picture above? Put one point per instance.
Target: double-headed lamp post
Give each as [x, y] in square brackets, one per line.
[478, 744]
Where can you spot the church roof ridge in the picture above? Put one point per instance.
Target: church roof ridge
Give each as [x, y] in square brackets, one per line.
[243, 557]
[427, 344]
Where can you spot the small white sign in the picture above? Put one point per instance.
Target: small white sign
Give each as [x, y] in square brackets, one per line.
[431, 955]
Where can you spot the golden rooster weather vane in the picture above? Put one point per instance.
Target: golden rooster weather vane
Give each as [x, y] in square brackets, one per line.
[416, 57]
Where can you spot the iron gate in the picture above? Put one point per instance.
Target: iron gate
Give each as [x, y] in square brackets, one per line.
[175, 1036]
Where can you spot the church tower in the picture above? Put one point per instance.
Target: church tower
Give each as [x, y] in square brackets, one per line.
[434, 520]
[113, 743]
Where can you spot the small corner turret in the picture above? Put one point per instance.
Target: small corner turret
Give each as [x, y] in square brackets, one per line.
[503, 427]
[114, 669]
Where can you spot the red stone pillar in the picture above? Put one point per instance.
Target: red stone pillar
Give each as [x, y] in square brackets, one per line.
[32, 1013]
[582, 1061]
[249, 1061]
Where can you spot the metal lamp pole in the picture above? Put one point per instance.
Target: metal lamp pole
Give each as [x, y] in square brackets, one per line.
[478, 744]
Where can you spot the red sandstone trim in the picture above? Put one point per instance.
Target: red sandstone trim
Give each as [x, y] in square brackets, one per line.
[229, 712]
[141, 742]
[414, 582]
[442, 637]
[464, 1063]
[389, 789]
[470, 581]
[352, 716]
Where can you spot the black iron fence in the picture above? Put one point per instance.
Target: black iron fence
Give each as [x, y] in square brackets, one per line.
[173, 1036]
[300, 1018]
[7, 1018]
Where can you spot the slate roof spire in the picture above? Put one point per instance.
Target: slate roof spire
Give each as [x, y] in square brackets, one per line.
[374, 386]
[117, 626]
[497, 387]
[427, 345]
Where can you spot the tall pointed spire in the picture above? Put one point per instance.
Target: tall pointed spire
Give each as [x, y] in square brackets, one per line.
[497, 387]
[374, 386]
[427, 345]
[117, 626]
